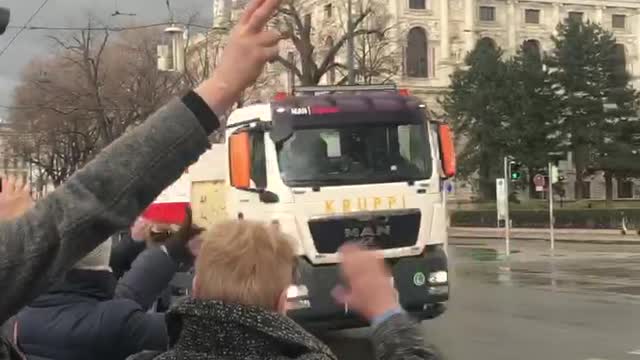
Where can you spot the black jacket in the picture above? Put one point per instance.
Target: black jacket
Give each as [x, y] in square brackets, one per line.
[125, 250]
[210, 330]
[88, 317]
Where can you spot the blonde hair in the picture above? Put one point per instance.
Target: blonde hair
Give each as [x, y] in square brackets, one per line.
[245, 262]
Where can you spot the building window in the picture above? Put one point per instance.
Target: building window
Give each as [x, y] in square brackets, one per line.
[619, 21]
[487, 42]
[487, 13]
[576, 16]
[418, 4]
[625, 189]
[328, 11]
[619, 59]
[532, 16]
[417, 64]
[532, 47]
[586, 190]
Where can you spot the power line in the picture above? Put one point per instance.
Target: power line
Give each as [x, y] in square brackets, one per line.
[35, 13]
[58, 108]
[106, 28]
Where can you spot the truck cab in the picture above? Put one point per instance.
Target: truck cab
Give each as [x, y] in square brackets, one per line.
[333, 165]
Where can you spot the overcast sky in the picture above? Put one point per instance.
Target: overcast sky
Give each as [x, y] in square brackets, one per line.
[73, 13]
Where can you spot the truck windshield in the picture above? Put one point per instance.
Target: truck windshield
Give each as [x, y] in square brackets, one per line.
[355, 155]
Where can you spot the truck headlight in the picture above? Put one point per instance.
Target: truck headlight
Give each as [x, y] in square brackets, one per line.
[438, 277]
[298, 297]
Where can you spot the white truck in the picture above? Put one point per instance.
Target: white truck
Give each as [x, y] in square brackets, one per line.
[360, 164]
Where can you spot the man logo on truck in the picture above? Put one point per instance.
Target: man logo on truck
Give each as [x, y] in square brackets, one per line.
[365, 236]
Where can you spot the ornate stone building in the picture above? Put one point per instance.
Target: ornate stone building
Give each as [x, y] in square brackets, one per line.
[435, 35]
[440, 32]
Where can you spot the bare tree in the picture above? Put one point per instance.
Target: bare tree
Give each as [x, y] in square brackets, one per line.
[95, 87]
[311, 63]
[377, 55]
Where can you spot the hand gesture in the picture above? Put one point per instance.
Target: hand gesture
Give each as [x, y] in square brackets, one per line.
[249, 48]
[368, 290]
[140, 229]
[15, 199]
[182, 245]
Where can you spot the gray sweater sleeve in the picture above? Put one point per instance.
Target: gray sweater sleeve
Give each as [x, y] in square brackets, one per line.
[148, 277]
[101, 198]
[400, 337]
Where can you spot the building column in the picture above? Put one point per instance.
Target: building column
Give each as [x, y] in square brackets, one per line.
[511, 24]
[599, 14]
[445, 49]
[469, 30]
[636, 70]
[556, 17]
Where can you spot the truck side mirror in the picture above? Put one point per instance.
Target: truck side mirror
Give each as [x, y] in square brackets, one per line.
[240, 160]
[5, 14]
[269, 197]
[447, 150]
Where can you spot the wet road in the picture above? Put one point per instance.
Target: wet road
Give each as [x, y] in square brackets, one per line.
[583, 303]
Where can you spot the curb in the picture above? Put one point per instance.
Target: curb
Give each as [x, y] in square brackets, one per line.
[533, 235]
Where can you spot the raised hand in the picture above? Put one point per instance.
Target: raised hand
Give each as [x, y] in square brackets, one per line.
[15, 199]
[249, 48]
[368, 290]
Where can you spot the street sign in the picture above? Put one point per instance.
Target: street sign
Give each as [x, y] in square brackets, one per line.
[501, 199]
[539, 182]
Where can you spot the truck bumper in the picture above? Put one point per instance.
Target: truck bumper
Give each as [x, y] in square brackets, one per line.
[414, 278]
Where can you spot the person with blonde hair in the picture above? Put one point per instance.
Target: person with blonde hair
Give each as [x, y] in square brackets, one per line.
[239, 304]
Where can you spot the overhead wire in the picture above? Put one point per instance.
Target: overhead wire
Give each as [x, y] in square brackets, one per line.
[26, 26]
[23, 28]
[62, 108]
[105, 28]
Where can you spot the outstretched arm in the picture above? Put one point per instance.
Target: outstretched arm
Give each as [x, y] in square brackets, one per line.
[114, 188]
[104, 196]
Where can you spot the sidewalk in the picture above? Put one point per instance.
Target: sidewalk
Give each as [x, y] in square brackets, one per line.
[565, 235]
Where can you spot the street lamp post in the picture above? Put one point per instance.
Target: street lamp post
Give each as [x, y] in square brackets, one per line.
[350, 46]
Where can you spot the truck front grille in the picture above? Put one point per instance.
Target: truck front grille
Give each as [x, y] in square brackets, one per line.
[380, 230]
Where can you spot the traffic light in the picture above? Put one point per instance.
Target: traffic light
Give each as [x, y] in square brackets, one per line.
[514, 170]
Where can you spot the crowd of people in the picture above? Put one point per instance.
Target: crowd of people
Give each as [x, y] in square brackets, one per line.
[67, 292]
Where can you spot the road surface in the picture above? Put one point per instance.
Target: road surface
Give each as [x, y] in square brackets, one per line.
[583, 303]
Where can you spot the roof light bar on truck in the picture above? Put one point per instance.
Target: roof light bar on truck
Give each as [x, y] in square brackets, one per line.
[313, 90]
[330, 89]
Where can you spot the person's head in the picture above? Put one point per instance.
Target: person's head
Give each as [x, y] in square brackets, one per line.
[245, 262]
[98, 259]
